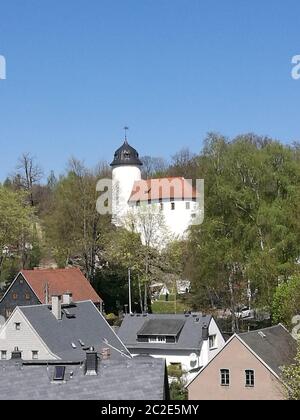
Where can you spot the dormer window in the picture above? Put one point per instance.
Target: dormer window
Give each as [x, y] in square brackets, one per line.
[157, 340]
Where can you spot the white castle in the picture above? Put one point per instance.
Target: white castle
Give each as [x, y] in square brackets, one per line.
[175, 199]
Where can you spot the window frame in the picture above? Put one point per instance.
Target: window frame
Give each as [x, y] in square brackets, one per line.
[35, 353]
[172, 205]
[249, 378]
[17, 326]
[187, 205]
[224, 377]
[214, 346]
[3, 354]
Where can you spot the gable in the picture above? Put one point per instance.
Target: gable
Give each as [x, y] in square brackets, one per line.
[26, 338]
[19, 293]
[236, 357]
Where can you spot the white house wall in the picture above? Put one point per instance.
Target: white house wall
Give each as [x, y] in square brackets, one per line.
[26, 339]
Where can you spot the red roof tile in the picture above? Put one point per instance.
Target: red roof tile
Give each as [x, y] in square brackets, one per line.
[163, 188]
[60, 281]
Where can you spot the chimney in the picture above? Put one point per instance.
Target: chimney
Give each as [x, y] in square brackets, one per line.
[67, 298]
[204, 332]
[91, 362]
[105, 353]
[16, 354]
[56, 306]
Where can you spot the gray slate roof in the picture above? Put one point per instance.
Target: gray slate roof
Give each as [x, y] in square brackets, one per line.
[277, 348]
[126, 155]
[190, 337]
[88, 325]
[134, 379]
[162, 327]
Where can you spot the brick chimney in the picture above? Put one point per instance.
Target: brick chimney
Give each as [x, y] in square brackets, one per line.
[56, 306]
[105, 353]
[67, 298]
[205, 332]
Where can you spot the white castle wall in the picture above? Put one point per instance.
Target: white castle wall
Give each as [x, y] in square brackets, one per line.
[123, 178]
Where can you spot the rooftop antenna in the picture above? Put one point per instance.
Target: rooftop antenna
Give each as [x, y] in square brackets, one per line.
[126, 129]
[46, 293]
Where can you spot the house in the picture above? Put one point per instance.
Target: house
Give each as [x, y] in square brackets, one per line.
[187, 341]
[183, 286]
[34, 287]
[176, 199]
[63, 330]
[248, 367]
[94, 379]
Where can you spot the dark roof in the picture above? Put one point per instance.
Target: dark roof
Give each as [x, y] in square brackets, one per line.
[274, 345]
[126, 155]
[87, 325]
[190, 337]
[162, 327]
[134, 379]
[60, 281]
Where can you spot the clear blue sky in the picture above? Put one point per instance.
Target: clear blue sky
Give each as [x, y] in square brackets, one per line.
[172, 70]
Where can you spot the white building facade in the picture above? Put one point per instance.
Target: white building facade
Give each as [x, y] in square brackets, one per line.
[175, 199]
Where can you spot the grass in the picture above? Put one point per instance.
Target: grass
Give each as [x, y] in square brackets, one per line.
[162, 306]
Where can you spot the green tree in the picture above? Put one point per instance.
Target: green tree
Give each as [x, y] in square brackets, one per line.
[75, 231]
[286, 301]
[16, 225]
[291, 376]
[250, 233]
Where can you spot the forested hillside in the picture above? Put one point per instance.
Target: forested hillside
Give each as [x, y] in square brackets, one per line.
[249, 240]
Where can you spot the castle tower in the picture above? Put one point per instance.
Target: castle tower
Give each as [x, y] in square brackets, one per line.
[125, 171]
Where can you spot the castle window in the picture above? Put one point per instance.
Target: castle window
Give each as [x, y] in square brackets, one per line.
[173, 206]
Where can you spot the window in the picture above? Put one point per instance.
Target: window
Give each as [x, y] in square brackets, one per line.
[157, 339]
[15, 296]
[187, 205]
[193, 215]
[249, 374]
[212, 341]
[27, 296]
[35, 354]
[172, 206]
[17, 326]
[59, 373]
[161, 206]
[21, 280]
[224, 377]
[3, 354]
[138, 203]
